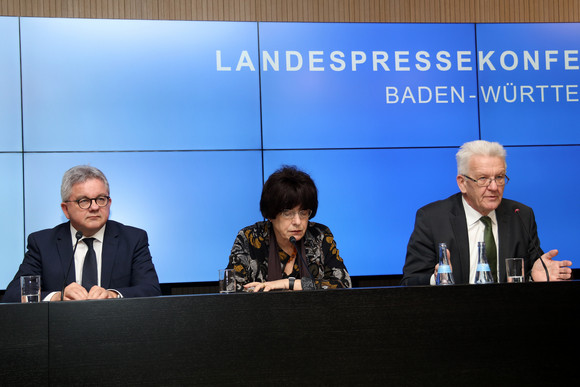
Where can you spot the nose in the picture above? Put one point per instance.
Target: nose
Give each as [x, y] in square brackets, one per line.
[94, 206]
[296, 218]
[494, 187]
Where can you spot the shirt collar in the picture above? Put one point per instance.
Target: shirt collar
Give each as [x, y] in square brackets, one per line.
[99, 235]
[472, 216]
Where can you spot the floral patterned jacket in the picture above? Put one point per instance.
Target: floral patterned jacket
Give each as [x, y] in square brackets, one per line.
[249, 256]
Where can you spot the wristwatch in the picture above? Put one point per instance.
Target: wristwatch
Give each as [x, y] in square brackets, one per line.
[291, 283]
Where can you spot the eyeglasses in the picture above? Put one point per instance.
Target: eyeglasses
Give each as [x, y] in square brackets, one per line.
[486, 181]
[302, 214]
[85, 203]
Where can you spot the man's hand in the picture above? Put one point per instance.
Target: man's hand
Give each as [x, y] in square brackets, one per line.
[99, 293]
[75, 292]
[559, 270]
[435, 271]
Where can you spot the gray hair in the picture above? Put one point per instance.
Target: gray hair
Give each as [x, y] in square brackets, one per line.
[80, 174]
[478, 147]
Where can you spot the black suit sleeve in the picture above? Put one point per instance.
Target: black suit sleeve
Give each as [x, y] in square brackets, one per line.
[134, 274]
[421, 253]
[524, 241]
[31, 265]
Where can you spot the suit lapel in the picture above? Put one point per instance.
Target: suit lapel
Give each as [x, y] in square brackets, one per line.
[110, 244]
[65, 250]
[504, 237]
[459, 226]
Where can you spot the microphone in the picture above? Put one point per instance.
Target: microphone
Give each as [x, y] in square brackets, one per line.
[517, 212]
[307, 283]
[78, 236]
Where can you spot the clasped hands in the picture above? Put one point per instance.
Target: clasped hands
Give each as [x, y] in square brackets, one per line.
[75, 292]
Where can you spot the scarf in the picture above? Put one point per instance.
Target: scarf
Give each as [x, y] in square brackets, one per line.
[274, 265]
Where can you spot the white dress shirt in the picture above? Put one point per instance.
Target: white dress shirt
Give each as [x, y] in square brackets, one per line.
[81, 252]
[475, 229]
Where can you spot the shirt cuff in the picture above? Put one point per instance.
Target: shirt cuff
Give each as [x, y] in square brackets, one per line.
[49, 296]
[119, 295]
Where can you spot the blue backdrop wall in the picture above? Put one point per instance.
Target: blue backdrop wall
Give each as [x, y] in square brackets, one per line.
[186, 119]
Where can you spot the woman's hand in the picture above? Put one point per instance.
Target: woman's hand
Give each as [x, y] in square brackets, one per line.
[280, 284]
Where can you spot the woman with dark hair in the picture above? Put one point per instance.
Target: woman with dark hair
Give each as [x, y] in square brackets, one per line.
[265, 256]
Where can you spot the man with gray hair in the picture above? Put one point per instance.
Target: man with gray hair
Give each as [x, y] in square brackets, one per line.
[110, 260]
[475, 214]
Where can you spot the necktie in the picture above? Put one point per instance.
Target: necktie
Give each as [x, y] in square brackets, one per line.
[90, 266]
[490, 248]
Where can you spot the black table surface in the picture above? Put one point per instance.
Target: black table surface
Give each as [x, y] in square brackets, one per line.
[498, 334]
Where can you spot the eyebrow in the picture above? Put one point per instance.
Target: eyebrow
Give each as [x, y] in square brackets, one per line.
[96, 197]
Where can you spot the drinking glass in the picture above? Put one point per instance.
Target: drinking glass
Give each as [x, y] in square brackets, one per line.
[227, 281]
[30, 288]
[514, 268]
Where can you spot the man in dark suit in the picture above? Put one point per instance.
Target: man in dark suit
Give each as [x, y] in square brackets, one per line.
[111, 260]
[457, 221]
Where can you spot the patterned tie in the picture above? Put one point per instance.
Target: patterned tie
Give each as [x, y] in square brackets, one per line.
[490, 249]
[90, 266]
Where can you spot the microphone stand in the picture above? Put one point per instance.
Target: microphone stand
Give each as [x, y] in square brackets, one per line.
[78, 236]
[517, 212]
[307, 283]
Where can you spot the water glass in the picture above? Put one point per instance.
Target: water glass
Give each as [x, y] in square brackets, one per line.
[514, 268]
[227, 281]
[30, 288]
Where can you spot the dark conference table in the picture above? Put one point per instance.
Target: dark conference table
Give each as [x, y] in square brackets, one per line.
[499, 334]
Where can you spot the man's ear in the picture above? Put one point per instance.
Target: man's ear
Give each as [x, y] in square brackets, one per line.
[65, 210]
[461, 183]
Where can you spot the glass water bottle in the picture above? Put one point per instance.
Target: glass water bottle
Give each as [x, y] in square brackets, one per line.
[444, 273]
[483, 272]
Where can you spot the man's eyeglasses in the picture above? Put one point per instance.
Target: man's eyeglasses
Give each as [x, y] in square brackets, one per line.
[289, 214]
[486, 181]
[85, 203]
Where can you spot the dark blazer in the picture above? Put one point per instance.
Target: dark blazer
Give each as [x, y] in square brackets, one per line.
[126, 262]
[444, 222]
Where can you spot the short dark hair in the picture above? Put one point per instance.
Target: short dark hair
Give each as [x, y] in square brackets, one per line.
[287, 188]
